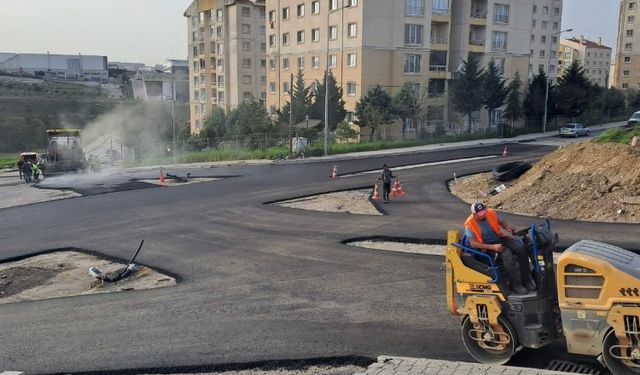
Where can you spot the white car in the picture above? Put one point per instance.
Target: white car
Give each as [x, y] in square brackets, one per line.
[574, 130]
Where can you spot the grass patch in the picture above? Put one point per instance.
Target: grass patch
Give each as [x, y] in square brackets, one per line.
[8, 160]
[618, 135]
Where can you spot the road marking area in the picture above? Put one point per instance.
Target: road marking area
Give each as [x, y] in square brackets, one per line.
[422, 165]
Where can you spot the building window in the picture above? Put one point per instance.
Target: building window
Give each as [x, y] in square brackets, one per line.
[440, 7]
[629, 33]
[246, 29]
[628, 46]
[543, 39]
[247, 96]
[352, 3]
[220, 48]
[501, 13]
[545, 10]
[333, 32]
[263, 80]
[412, 63]
[414, 8]
[262, 12]
[272, 87]
[499, 40]
[533, 38]
[285, 13]
[533, 23]
[315, 62]
[413, 34]
[263, 30]
[272, 17]
[351, 60]
[535, 9]
[301, 63]
[333, 61]
[543, 24]
[554, 39]
[315, 7]
[631, 19]
[263, 47]
[300, 10]
[556, 11]
[627, 59]
[625, 73]
[285, 87]
[246, 63]
[285, 63]
[246, 46]
[556, 26]
[333, 4]
[625, 85]
[542, 53]
[272, 40]
[315, 35]
[351, 88]
[246, 79]
[300, 37]
[553, 54]
[246, 12]
[352, 30]
[285, 39]
[632, 5]
[219, 32]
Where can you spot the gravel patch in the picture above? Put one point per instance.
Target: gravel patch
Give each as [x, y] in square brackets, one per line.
[352, 202]
[312, 370]
[66, 273]
[402, 247]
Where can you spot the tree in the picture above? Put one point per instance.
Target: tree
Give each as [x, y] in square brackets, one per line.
[337, 112]
[632, 99]
[467, 88]
[344, 131]
[251, 118]
[301, 102]
[494, 90]
[514, 111]
[573, 91]
[535, 98]
[406, 106]
[375, 109]
[215, 126]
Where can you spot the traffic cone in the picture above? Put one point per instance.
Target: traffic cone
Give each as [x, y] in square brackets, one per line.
[376, 192]
[161, 176]
[397, 191]
[334, 173]
[506, 152]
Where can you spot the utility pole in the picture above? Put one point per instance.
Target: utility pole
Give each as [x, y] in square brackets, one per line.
[173, 120]
[290, 113]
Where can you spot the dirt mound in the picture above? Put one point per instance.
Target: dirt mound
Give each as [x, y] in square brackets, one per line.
[582, 181]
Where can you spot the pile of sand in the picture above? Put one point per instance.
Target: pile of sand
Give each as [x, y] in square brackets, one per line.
[582, 181]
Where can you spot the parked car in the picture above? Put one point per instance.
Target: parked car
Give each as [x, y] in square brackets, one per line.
[634, 119]
[574, 130]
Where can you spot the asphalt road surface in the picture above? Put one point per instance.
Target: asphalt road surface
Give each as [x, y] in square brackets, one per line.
[256, 282]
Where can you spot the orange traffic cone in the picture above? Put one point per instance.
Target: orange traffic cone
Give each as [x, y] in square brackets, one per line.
[334, 173]
[506, 152]
[397, 189]
[161, 176]
[376, 192]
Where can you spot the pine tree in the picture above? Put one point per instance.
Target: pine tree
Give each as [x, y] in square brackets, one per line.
[375, 109]
[535, 98]
[406, 106]
[467, 88]
[513, 110]
[301, 102]
[573, 91]
[494, 90]
[337, 112]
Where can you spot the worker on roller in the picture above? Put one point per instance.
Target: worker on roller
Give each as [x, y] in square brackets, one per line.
[486, 231]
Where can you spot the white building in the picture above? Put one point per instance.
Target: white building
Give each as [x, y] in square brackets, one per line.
[72, 67]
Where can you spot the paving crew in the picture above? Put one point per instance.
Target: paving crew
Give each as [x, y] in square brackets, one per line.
[487, 231]
[36, 171]
[386, 177]
[19, 164]
[27, 172]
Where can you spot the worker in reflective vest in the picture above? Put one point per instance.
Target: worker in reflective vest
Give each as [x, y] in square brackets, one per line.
[486, 231]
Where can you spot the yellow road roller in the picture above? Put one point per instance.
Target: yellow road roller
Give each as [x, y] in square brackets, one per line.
[591, 299]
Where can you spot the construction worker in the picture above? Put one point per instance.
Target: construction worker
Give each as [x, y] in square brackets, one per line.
[36, 172]
[19, 164]
[485, 230]
[386, 176]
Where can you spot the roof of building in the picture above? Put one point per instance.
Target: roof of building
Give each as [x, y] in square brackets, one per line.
[587, 43]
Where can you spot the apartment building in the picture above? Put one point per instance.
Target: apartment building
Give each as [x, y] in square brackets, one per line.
[626, 73]
[593, 57]
[546, 23]
[392, 43]
[227, 49]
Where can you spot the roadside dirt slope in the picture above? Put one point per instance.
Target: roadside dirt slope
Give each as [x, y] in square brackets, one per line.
[581, 181]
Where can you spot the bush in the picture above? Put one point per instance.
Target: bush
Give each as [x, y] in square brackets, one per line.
[618, 135]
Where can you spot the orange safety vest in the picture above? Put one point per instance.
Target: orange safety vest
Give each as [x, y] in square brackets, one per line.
[472, 224]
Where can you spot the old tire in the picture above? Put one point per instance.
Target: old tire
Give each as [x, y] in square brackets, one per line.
[486, 351]
[510, 171]
[615, 365]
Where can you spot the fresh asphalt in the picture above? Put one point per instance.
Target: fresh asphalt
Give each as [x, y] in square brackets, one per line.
[256, 282]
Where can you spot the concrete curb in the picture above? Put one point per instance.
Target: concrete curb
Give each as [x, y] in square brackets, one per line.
[387, 365]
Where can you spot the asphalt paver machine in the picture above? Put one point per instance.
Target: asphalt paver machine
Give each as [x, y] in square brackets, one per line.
[591, 299]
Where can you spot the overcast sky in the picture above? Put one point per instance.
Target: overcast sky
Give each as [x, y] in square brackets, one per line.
[151, 31]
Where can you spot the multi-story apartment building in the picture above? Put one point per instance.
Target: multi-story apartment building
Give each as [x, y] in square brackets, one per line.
[227, 63]
[593, 57]
[626, 73]
[546, 23]
[392, 43]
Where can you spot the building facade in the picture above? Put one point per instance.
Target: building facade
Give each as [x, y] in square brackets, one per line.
[626, 74]
[593, 57]
[227, 63]
[71, 67]
[392, 43]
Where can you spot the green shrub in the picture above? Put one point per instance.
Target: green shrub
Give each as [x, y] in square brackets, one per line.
[618, 135]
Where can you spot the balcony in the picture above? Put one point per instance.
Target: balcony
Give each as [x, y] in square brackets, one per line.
[476, 45]
[439, 42]
[441, 14]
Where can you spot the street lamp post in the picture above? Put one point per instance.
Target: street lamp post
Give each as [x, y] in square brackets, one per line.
[546, 90]
[326, 80]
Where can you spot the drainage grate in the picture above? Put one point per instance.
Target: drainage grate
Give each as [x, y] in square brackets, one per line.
[571, 367]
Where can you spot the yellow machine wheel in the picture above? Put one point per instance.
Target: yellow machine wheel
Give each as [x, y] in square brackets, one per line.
[489, 345]
[620, 359]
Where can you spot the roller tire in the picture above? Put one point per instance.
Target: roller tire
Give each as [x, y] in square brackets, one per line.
[616, 366]
[483, 355]
[510, 171]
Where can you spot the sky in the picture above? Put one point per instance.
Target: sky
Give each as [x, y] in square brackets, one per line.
[150, 31]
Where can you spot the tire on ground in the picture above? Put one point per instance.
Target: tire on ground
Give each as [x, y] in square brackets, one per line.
[510, 171]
